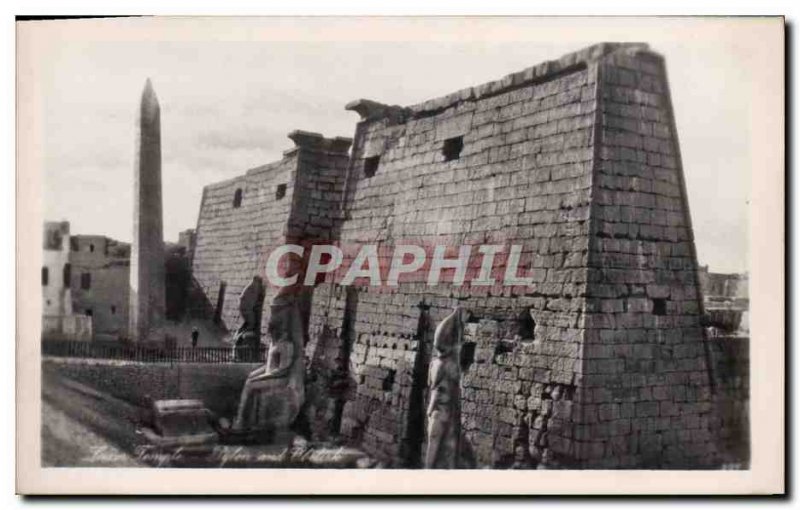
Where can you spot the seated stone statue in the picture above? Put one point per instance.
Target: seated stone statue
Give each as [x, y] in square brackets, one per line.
[445, 444]
[273, 394]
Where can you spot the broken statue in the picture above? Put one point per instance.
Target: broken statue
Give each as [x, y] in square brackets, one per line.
[446, 447]
[273, 393]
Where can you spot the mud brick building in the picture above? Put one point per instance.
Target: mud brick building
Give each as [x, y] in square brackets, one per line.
[85, 285]
[58, 319]
[86, 282]
[600, 363]
[100, 281]
[56, 297]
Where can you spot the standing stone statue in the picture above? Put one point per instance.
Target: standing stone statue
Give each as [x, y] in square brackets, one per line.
[250, 302]
[273, 394]
[444, 382]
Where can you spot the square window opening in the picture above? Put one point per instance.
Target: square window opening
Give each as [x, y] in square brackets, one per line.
[371, 165]
[452, 148]
[280, 191]
[659, 306]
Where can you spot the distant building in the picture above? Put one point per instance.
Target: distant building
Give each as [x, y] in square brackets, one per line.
[729, 285]
[86, 283]
[58, 319]
[177, 275]
[726, 301]
[187, 239]
[99, 282]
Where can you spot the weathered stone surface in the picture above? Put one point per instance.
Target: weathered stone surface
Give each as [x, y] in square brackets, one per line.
[577, 161]
[444, 439]
[233, 243]
[147, 292]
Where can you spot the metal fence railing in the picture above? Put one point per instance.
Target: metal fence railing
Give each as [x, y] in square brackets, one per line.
[151, 353]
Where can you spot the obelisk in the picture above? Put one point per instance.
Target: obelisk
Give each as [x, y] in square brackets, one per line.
[147, 295]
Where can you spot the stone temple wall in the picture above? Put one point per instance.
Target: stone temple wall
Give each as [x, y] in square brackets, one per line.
[285, 201]
[522, 177]
[600, 363]
[646, 383]
[577, 161]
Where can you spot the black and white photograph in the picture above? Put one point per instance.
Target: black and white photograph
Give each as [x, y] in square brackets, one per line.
[510, 244]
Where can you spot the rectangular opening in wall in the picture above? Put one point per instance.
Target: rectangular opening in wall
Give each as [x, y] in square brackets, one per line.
[371, 165]
[86, 281]
[467, 355]
[525, 325]
[67, 274]
[388, 381]
[452, 148]
[280, 191]
[45, 276]
[659, 306]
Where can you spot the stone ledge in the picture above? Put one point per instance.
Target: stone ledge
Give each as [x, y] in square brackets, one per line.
[373, 110]
[316, 142]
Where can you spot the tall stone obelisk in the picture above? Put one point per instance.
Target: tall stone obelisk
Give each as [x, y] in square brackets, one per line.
[146, 310]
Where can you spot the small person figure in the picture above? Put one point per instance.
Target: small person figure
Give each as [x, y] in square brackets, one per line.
[195, 337]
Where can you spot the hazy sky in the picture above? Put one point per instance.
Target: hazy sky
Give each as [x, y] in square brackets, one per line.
[227, 104]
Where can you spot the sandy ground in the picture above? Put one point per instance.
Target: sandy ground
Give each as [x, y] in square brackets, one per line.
[84, 427]
[66, 442]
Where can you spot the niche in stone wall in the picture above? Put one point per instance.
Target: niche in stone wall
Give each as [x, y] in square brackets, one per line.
[237, 198]
[467, 355]
[452, 148]
[371, 165]
[526, 326]
[503, 347]
[388, 381]
[659, 306]
[558, 392]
